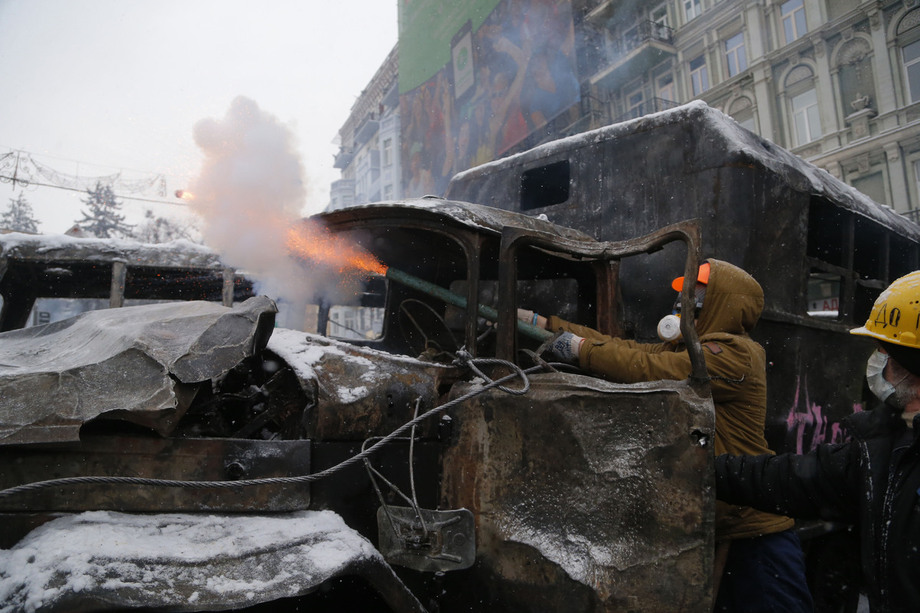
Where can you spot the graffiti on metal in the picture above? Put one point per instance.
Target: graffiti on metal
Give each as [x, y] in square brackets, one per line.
[807, 424]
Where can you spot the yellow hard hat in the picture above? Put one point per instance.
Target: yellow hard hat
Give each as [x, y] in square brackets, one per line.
[895, 316]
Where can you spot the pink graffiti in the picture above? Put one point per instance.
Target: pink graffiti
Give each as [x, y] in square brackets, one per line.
[810, 426]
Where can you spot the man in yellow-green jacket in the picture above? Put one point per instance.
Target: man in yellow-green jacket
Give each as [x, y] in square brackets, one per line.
[762, 558]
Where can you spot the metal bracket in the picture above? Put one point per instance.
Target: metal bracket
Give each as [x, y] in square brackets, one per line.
[427, 541]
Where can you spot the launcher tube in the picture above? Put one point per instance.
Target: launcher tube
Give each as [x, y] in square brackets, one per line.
[404, 278]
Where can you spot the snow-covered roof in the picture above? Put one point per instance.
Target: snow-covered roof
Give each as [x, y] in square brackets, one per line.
[721, 141]
[480, 217]
[58, 247]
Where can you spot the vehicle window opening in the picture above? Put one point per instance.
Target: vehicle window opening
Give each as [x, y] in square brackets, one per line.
[364, 312]
[553, 284]
[824, 294]
[870, 257]
[829, 233]
[545, 186]
[830, 252]
[166, 284]
[902, 257]
[363, 321]
[851, 259]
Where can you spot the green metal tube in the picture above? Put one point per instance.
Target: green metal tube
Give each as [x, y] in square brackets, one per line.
[404, 278]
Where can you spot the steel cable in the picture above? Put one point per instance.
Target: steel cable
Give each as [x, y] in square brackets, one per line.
[224, 484]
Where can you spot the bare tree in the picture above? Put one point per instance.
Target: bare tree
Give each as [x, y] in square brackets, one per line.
[19, 216]
[103, 219]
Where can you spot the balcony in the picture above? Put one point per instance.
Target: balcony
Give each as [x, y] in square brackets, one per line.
[603, 11]
[634, 52]
[343, 158]
[655, 105]
[367, 129]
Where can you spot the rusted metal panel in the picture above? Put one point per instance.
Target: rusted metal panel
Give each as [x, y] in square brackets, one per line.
[362, 392]
[156, 458]
[604, 488]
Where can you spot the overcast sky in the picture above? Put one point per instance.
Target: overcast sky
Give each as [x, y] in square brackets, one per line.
[95, 87]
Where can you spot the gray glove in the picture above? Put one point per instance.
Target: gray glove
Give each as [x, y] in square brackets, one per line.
[566, 347]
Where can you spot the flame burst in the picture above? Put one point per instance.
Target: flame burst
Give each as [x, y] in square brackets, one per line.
[314, 243]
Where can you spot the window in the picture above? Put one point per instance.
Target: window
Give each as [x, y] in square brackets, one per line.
[635, 103]
[823, 294]
[692, 9]
[699, 75]
[872, 185]
[793, 15]
[387, 152]
[659, 15]
[735, 56]
[742, 111]
[916, 165]
[911, 55]
[545, 185]
[805, 119]
[664, 85]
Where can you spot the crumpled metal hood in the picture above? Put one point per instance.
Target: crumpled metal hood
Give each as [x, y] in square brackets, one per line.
[126, 362]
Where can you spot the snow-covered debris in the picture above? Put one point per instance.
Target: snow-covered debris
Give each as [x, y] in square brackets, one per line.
[53, 378]
[178, 561]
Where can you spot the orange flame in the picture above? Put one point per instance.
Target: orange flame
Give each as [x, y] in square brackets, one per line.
[184, 194]
[318, 244]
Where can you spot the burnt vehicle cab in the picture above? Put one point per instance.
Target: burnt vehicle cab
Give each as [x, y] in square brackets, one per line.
[46, 278]
[418, 452]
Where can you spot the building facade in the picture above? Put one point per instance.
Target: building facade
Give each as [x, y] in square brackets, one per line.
[369, 143]
[836, 82]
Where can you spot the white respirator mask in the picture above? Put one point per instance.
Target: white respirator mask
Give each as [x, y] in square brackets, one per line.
[669, 328]
[881, 387]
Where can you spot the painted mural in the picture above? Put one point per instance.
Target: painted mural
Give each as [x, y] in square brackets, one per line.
[505, 75]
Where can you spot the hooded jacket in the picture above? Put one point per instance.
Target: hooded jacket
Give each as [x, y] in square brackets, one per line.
[735, 363]
[872, 481]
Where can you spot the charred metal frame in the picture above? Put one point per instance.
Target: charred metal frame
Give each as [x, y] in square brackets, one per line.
[31, 269]
[514, 239]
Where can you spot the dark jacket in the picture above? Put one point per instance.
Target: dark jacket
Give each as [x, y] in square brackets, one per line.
[734, 361]
[871, 482]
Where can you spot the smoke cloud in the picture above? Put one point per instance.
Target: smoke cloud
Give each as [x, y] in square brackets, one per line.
[249, 196]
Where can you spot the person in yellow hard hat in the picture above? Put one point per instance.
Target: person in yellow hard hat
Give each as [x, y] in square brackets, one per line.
[764, 568]
[873, 480]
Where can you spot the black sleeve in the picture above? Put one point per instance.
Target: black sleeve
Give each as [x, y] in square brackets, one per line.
[819, 485]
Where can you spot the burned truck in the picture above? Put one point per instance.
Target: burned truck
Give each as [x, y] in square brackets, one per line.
[191, 456]
[414, 450]
[821, 250]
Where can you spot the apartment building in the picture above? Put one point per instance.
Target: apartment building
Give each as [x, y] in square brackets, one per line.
[368, 155]
[835, 81]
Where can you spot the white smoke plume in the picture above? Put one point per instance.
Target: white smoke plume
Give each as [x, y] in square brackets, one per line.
[249, 196]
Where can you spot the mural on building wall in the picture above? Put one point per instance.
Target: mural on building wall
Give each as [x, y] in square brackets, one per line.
[506, 69]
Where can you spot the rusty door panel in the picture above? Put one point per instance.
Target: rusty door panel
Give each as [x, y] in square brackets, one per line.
[605, 488]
